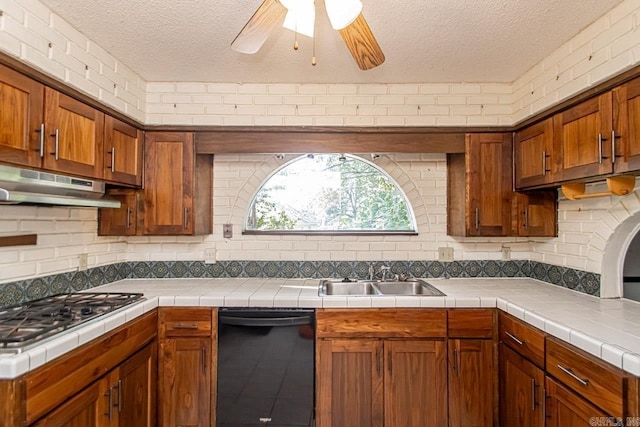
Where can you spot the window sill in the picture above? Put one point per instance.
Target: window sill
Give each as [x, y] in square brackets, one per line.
[328, 233]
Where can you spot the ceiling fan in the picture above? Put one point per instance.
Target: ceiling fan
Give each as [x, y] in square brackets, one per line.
[299, 15]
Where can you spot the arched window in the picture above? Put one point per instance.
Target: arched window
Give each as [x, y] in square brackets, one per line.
[330, 193]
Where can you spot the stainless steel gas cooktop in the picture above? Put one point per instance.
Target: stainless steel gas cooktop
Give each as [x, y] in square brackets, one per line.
[23, 325]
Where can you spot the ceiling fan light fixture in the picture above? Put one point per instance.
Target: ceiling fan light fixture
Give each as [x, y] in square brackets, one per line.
[342, 12]
[301, 16]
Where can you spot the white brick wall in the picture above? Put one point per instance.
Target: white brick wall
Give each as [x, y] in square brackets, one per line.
[29, 31]
[603, 49]
[238, 177]
[594, 235]
[63, 234]
[229, 104]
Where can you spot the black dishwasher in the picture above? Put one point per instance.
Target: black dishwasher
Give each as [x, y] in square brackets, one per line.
[265, 367]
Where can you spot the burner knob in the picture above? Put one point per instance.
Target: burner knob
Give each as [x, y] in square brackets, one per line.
[85, 311]
[65, 311]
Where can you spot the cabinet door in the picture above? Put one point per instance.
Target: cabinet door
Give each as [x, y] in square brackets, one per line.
[168, 183]
[472, 383]
[21, 119]
[85, 409]
[185, 382]
[521, 391]
[415, 384]
[567, 409]
[535, 213]
[489, 187]
[122, 152]
[533, 155]
[137, 389]
[349, 383]
[75, 133]
[582, 139]
[122, 221]
[626, 113]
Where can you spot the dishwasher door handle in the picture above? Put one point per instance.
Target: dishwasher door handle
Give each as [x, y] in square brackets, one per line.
[266, 321]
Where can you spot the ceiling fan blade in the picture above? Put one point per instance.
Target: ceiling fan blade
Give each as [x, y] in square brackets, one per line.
[269, 16]
[362, 44]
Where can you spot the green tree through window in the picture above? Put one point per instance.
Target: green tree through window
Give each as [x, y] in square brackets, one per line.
[330, 192]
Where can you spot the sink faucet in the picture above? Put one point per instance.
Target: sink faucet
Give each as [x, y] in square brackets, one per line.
[384, 270]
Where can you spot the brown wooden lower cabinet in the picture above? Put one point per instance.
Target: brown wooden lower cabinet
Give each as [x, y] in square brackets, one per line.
[86, 409]
[185, 382]
[521, 391]
[186, 367]
[371, 382]
[415, 383]
[567, 409]
[472, 376]
[125, 397]
[349, 383]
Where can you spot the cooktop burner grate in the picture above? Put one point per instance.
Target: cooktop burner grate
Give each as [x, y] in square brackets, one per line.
[24, 324]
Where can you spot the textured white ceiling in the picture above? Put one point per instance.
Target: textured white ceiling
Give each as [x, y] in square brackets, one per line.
[424, 41]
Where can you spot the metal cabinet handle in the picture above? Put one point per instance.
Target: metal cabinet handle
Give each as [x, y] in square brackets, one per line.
[477, 218]
[109, 394]
[185, 217]
[513, 337]
[533, 394]
[204, 360]
[600, 148]
[526, 218]
[569, 371]
[128, 218]
[455, 362]
[544, 163]
[601, 157]
[41, 132]
[119, 395]
[613, 146]
[113, 159]
[57, 137]
[183, 326]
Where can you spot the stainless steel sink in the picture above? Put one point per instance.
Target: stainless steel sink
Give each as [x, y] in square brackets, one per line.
[331, 287]
[411, 287]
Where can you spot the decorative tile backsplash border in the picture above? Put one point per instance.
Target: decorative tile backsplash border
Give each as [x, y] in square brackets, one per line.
[26, 290]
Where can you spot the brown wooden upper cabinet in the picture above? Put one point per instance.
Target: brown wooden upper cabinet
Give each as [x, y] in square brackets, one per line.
[626, 117]
[177, 186]
[122, 152]
[74, 136]
[46, 129]
[21, 119]
[582, 139]
[533, 148]
[125, 220]
[480, 188]
[535, 213]
[598, 137]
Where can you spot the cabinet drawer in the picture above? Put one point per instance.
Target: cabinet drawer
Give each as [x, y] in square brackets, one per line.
[185, 322]
[525, 339]
[471, 323]
[595, 380]
[381, 323]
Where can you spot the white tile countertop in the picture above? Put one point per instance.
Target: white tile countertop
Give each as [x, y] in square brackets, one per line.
[607, 328]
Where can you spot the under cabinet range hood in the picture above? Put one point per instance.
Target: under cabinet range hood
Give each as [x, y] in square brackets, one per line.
[36, 187]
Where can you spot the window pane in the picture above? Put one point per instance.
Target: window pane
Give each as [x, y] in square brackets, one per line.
[330, 192]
